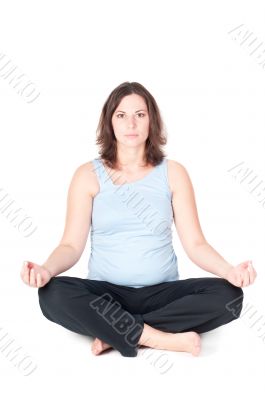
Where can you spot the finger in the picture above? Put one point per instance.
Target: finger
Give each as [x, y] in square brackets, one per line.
[246, 279]
[239, 280]
[25, 272]
[236, 280]
[244, 265]
[32, 278]
[252, 273]
[38, 279]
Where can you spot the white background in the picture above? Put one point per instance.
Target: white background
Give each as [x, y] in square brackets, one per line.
[210, 92]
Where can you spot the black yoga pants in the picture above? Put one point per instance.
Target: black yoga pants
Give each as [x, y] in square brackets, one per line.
[116, 314]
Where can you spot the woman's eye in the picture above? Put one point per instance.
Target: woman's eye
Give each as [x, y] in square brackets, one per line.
[121, 115]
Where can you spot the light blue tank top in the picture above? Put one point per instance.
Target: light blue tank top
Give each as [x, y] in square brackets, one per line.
[131, 236]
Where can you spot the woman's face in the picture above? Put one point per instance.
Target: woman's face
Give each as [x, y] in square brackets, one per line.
[131, 117]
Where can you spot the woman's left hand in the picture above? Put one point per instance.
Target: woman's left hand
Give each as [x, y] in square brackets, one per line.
[242, 275]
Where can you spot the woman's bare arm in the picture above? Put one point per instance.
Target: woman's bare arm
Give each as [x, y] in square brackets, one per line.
[77, 224]
[62, 258]
[188, 225]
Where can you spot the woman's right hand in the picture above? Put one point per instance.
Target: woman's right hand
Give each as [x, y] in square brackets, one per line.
[34, 275]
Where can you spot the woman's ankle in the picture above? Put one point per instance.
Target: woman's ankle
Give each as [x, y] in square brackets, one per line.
[151, 337]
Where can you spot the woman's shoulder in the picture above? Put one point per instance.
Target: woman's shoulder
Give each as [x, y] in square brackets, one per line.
[86, 172]
[86, 169]
[177, 174]
[175, 166]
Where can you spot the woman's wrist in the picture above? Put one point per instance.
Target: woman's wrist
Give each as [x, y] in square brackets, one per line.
[48, 270]
[229, 268]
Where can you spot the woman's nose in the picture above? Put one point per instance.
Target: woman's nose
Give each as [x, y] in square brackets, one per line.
[131, 121]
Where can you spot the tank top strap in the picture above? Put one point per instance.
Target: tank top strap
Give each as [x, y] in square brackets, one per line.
[164, 170]
[100, 172]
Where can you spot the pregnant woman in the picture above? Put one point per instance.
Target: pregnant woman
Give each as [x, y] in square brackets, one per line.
[132, 295]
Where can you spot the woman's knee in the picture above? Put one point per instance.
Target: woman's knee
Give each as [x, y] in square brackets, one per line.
[51, 296]
[48, 291]
[232, 297]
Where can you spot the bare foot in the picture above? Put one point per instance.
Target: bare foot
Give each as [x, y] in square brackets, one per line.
[98, 346]
[189, 342]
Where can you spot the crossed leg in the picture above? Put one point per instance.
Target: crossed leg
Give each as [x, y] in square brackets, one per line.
[191, 306]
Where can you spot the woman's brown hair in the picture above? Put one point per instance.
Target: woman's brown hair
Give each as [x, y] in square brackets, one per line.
[106, 139]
